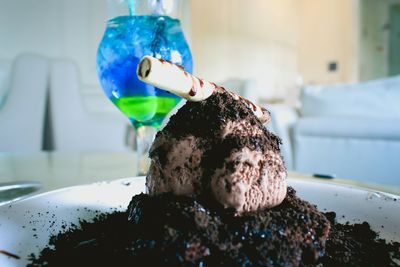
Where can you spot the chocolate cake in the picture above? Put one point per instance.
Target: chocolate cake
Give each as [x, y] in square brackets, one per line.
[217, 149]
[217, 196]
[170, 230]
[293, 233]
[223, 171]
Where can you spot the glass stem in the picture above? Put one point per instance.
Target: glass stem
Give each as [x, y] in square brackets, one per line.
[144, 137]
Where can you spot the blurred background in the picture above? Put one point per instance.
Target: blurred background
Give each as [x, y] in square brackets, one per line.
[326, 69]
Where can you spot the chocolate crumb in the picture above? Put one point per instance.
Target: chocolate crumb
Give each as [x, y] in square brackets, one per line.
[168, 230]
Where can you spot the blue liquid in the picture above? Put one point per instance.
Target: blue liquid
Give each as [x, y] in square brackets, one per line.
[126, 40]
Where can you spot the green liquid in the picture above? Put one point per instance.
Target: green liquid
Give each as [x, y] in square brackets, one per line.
[146, 110]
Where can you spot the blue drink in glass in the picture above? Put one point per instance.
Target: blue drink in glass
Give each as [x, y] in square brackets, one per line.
[126, 40]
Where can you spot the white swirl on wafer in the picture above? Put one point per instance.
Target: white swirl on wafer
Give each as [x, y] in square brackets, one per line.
[173, 78]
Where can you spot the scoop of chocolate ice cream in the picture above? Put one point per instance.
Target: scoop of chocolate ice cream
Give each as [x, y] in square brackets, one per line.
[217, 149]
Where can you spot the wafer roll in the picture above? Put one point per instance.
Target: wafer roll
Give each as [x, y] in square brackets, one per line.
[173, 78]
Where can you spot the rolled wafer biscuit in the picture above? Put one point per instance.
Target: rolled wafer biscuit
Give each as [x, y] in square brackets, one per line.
[173, 78]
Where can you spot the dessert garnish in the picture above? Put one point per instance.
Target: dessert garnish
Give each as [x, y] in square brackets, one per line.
[238, 163]
[173, 78]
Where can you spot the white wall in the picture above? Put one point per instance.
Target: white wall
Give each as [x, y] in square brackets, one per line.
[328, 33]
[253, 39]
[271, 41]
[276, 42]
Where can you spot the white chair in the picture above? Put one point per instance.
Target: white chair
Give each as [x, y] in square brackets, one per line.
[72, 127]
[22, 113]
[348, 130]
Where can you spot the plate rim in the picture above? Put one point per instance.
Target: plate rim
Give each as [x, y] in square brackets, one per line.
[34, 196]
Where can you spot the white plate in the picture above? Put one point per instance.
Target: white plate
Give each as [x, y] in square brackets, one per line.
[25, 226]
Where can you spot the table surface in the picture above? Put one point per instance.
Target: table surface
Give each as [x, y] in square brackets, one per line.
[56, 170]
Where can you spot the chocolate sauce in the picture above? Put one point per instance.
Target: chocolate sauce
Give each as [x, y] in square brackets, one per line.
[193, 90]
[163, 61]
[180, 67]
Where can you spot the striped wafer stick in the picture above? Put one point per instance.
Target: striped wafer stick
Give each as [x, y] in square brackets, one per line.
[173, 78]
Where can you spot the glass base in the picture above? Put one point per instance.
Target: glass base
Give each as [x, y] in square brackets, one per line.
[141, 142]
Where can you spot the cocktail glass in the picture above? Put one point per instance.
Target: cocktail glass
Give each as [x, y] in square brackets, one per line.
[137, 28]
